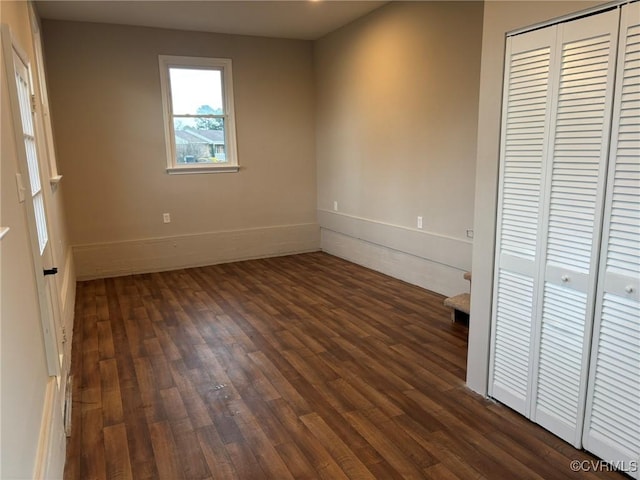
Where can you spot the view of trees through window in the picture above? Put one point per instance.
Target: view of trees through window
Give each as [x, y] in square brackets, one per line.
[209, 123]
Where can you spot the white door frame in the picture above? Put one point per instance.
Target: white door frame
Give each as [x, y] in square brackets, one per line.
[45, 300]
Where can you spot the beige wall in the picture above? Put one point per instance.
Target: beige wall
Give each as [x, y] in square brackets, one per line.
[25, 409]
[397, 96]
[500, 17]
[107, 113]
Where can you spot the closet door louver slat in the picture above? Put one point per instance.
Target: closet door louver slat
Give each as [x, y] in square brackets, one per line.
[512, 339]
[612, 423]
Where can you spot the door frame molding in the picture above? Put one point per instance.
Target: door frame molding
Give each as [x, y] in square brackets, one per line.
[9, 47]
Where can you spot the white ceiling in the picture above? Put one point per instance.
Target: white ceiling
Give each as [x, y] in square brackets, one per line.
[303, 19]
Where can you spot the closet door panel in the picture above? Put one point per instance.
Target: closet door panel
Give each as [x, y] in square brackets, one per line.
[574, 193]
[612, 424]
[525, 127]
[511, 355]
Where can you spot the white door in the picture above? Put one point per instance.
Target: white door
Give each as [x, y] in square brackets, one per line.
[573, 203]
[525, 128]
[31, 192]
[558, 98]
[612, 424]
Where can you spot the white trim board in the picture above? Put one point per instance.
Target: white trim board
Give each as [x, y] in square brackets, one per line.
[50, 456]
[169, 253]
[437, 277]
[448, 251]
[68, 301]
[572, 16]
[68, 289]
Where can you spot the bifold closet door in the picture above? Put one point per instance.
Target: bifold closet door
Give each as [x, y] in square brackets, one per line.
[558, 99]
[612, 424]
[572, 211]
[525, 129]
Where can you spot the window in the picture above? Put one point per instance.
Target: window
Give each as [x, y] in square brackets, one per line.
[198, 113]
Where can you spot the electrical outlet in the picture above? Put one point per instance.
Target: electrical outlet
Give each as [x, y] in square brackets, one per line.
[335, 205]
[419, 222]
[166, 217]
[469, 233]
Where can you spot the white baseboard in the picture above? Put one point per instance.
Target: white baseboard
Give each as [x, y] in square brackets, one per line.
[170, 253]
[434, 262]
[51, 452]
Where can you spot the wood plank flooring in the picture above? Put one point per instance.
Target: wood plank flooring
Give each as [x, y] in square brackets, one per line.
[305, 367]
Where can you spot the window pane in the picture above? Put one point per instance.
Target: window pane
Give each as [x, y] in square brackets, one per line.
[24, 100]
[32, 163]
[196, 91]
[199, 140]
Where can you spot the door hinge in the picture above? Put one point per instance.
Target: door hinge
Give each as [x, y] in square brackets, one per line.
[33, 104]
[64, 334]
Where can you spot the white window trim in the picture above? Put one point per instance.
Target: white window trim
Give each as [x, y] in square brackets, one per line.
[231, 151]
[47, 134]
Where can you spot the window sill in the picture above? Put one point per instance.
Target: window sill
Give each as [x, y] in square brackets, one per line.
[55, 180]
[203, 169]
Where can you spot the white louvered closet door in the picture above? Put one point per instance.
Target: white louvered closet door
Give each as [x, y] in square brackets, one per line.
[612, 424]
[525, 127]
[573, 200]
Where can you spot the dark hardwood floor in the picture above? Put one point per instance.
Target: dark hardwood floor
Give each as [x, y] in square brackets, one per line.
[304, 367]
